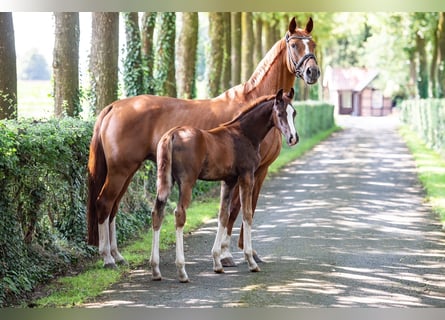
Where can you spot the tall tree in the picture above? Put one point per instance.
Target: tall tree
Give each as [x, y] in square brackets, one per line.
[441, 64]
[258, 48]
[133, 70]
[236, 47]
[66, 64]
[186, 55]
[147, 30]
[104, 59]
[227, 50]
[8, 68]
[247, 42]
[215, 58]
[164, 69]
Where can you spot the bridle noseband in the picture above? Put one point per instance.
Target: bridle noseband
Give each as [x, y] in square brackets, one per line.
[301, 62]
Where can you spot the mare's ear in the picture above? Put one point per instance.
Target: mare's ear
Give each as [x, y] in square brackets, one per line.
[292, 25]
[279, 96]
[309, 25]
[290, 95]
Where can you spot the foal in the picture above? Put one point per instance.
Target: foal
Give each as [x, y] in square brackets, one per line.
[229, 153]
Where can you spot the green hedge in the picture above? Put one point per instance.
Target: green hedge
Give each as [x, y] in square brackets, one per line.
[43, 196]
[427, 118]
[313, 117]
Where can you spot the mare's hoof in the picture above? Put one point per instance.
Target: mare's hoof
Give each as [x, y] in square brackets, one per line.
[185, 280]
[257, 269]
[221, 270]
[110, 266]
[228, 262]
[122, 263]
[156, 278]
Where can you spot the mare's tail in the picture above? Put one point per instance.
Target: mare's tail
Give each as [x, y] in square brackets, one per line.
[164, 181]
[97, 172]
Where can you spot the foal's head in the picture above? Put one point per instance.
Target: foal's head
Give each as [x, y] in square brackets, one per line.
[284, 116]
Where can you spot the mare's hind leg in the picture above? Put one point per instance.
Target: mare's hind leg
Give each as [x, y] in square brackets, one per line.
[221, 234]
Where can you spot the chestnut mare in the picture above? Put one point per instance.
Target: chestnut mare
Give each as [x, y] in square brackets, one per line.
[230, 153]
[127, 132]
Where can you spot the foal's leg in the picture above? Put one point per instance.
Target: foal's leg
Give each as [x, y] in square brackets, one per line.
[157, 216]
[221, 234]
[185, 197]
[246, 185]
[234, 208]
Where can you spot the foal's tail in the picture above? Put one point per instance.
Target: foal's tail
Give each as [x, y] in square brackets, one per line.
[164, 181]
[97, 172]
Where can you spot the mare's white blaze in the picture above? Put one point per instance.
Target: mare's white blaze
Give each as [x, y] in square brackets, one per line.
[290, 120]
[104, 242]
[306, 46]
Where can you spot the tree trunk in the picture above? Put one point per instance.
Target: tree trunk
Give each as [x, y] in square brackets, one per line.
[215, 58]
[186, 55]
[66, 64]
[164, 73]
[258, 48]
[133, 70]
[227, 50]
[422, 78]
[433, 67]
[236, 47]
[147, 30]
[104, 59]
[441, 64]
[247, 46]
[8, 68]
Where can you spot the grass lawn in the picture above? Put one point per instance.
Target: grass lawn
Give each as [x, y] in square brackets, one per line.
[431, 171]
[75, 290]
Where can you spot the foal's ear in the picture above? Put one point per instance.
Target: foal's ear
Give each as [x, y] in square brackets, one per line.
[309, 25]
[290, 95]
[292, 25]
[279, 96]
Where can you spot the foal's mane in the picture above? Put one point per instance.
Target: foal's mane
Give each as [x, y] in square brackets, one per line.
[250, 107]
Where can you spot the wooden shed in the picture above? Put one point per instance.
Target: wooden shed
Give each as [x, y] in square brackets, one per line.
[352, 92]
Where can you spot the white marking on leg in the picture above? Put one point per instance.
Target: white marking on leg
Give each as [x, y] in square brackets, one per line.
[180, 259]
[113, 239]
[216, 250]
[225, 246]
[154, 258]
[104, 243]
[248, 251]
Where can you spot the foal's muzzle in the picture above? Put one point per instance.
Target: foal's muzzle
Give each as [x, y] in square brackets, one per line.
[293, 140]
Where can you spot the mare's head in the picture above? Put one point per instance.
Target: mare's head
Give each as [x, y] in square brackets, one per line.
[284, 116]
[301, 59]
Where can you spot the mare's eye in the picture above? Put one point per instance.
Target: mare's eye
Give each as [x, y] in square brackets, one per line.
[293, 45]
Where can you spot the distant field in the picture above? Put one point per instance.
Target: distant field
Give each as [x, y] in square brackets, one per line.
[35, 99]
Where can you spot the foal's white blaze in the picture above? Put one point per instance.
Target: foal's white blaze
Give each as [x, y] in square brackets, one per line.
[290, 120]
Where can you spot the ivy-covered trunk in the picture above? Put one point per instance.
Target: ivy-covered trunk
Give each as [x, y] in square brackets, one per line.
[165, 71]
[215, 57]
[133, 70]
[441, 64]
[247, 46]
[186, 55]
[236, 47]
[147, 30]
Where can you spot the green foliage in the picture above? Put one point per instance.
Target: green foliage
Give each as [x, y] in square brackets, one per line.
[427, 118]
[313, 117]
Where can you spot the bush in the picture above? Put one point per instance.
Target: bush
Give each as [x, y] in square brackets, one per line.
[427, 118]
[313, 117]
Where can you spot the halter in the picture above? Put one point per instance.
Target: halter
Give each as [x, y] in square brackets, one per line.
[300, 63]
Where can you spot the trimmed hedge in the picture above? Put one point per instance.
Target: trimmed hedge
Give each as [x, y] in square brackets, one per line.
[313, 117]
[427, 118]
[43, 196]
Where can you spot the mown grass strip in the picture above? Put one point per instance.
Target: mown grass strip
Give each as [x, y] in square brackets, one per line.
[431, 170]
[75, 290]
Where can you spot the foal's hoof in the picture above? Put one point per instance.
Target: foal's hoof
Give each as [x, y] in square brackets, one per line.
[111, 266]
[184, 280]
[219, 270]
[157, 278]
[123, 263]
[256, 269]
[228, 262]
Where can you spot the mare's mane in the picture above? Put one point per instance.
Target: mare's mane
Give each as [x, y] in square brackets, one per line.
[254, 104]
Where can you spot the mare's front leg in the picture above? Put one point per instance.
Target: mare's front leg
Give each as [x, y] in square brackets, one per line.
[221, 234]
[157, 216]
[246, 186]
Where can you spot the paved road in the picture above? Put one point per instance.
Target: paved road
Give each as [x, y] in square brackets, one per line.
[344, 226]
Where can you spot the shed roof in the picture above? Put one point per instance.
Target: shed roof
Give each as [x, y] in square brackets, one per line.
[353, 78]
